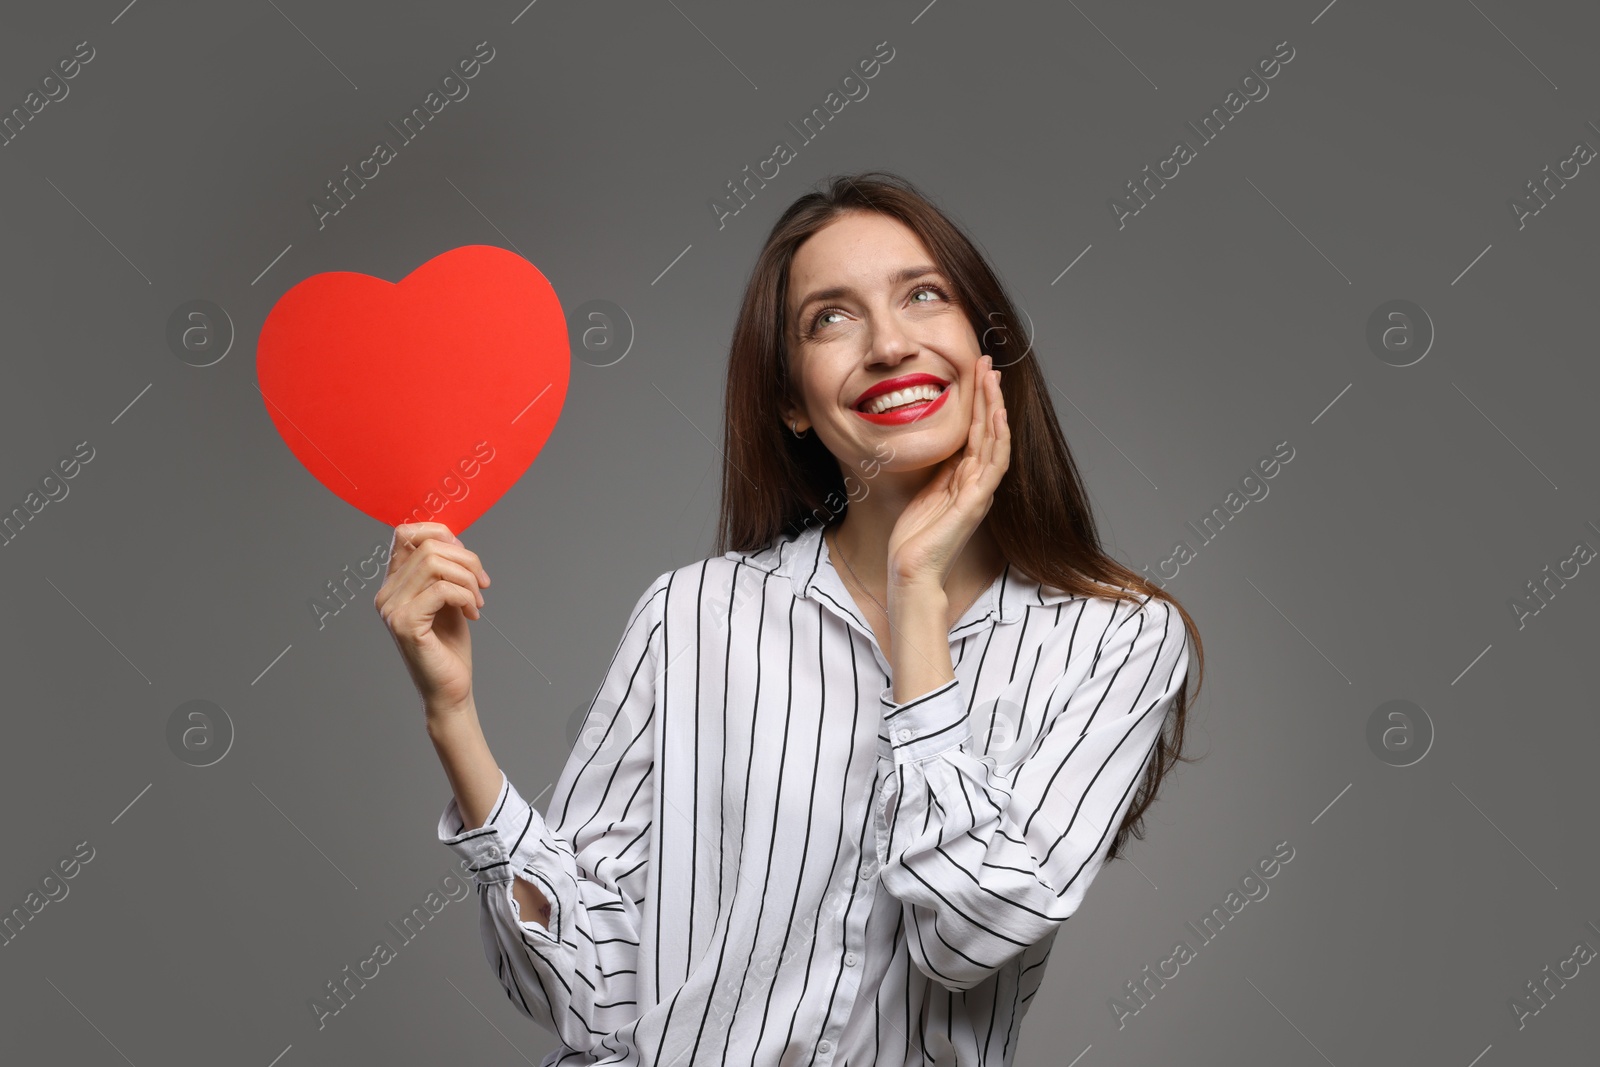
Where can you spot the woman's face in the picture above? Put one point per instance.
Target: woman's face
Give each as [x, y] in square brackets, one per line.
[866, 306]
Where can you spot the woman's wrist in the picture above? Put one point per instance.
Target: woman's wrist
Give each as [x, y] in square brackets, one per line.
[451, 724]
[919, 591]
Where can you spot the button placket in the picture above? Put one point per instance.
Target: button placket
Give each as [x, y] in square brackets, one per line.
[849, 981]
[854, 934]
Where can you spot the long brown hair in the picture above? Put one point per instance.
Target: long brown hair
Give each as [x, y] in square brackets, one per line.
[1040, 518]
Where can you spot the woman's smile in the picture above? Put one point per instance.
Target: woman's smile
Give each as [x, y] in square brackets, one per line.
[906, 405]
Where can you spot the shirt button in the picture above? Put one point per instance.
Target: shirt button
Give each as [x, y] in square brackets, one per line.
[905, 735]
[493, 852]
[849, 959]
[824, 1046]
[866, 870]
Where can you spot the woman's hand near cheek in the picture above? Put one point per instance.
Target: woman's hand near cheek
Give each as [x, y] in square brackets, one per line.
[937, 524]
[429, 593]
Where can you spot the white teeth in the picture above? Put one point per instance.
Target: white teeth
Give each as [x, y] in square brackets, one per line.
[879, 404]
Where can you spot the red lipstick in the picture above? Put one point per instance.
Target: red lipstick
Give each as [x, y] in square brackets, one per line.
[905, 381]
[908, 412]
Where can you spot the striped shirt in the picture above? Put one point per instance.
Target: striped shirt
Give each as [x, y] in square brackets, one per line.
[755, 856]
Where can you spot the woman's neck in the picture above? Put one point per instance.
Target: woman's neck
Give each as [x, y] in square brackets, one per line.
[862, 538]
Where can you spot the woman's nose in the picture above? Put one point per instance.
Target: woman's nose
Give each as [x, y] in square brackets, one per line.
[890, 339]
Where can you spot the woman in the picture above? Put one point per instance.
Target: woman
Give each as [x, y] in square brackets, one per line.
[827, 815]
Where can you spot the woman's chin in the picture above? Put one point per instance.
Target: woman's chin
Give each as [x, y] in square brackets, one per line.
[907, 453]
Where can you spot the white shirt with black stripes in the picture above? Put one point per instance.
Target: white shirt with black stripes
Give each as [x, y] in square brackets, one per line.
[755, 856]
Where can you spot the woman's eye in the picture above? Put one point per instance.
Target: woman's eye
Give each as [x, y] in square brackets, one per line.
[820, 320]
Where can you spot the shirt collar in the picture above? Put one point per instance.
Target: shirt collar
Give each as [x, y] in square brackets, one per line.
[803, 558]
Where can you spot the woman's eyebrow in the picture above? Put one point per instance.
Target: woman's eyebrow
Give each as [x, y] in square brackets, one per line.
[905, 274]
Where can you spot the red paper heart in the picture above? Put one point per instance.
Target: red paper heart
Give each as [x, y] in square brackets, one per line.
[423, 399]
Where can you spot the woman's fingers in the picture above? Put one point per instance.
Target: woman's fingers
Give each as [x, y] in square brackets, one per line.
[991, 452]
[459, 554]
[431, 561]
[986, 431]
[439, 567]
[980, 407]
[411, 538]
[985, 403]
[420, 610]
[997, 438]
[1000, 439]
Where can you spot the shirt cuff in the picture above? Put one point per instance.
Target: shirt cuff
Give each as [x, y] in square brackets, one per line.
[924, 726]
[514, 840]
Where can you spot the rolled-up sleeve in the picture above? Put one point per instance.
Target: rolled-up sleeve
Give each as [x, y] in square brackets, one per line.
[576, 976]
[989, 860]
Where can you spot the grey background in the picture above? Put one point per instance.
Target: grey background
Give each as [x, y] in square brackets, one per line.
[1228, 316]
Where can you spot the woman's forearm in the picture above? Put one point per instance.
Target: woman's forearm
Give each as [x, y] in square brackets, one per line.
[474, 776]
[919, 648]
